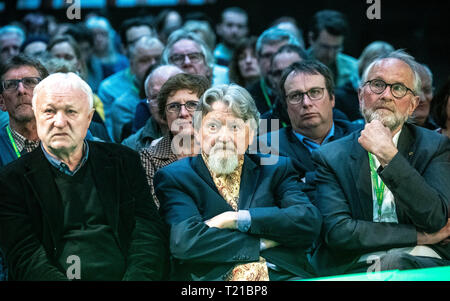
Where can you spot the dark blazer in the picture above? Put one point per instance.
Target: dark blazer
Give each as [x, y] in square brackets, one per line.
[31, 214]
[279, 211]
[290, 146]
[419, 178]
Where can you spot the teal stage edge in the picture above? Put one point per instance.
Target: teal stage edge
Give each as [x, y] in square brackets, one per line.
[429, 274]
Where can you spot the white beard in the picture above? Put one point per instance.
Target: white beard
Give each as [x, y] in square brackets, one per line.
[222, 161]
[391, 120]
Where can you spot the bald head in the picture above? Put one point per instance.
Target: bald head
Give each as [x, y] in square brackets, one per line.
[158, 77]
[153, 84]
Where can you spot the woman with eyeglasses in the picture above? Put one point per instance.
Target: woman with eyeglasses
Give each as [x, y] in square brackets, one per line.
[177, 102]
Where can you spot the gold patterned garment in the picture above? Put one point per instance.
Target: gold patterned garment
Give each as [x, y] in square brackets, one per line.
[228, 187]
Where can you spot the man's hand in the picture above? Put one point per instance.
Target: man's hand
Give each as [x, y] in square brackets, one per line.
[377, 139]
[226, 220]
[431, 239]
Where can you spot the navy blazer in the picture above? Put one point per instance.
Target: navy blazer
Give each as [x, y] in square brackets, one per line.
[279, 211]
[32, 216]
[418, 177]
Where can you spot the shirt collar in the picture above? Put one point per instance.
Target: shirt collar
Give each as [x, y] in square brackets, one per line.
[20, 140]
[310, 144]
[61, 166]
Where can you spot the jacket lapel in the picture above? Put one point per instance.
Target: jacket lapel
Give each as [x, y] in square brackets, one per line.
[41, 180]
[249, 180]
[202, 170]
[406, 148]
[107, 183]
[361, 176]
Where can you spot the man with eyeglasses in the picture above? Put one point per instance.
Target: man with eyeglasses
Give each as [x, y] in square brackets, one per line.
[308, 93]
[326, 39]
[384, 192]
[19, 76]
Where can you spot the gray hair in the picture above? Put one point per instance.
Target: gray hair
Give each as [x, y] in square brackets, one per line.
[236, 97]
[274, 35]
[57, 80]
[144, 42]
[203, 29]
[399, 55]
[13, 29]
[182, 34]
[165, 71]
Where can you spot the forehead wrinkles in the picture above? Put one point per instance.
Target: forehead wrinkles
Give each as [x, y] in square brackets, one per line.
[20, 72]
[70, 96]
[185, 46]
[392, 71]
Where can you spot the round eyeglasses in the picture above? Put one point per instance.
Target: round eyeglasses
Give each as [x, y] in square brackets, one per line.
[398, 90]
[298, 97]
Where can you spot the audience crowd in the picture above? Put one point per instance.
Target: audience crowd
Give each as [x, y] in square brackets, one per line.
[172, 148]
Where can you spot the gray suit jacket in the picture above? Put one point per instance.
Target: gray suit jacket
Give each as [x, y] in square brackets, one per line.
[419, 178]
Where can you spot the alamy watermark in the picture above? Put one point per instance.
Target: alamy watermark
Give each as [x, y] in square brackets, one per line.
[74, 270]
[73, 12]
[374, 10]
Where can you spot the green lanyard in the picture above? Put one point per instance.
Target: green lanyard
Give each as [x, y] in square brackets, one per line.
[379, 187]
[264, 88]
[12, 141]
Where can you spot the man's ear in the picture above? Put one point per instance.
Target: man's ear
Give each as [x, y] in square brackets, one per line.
[333, 100]
[414, 103]
[360, 95]
[91, 115]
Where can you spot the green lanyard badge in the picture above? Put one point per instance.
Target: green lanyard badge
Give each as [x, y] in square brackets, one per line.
[379, 187]
[8, 130]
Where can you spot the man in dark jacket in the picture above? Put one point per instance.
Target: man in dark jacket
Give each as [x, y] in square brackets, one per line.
[384, 192]
[74, 209]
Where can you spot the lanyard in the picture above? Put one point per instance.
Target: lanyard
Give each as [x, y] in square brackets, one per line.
[12, 141]
[379, 187]
[264, 88]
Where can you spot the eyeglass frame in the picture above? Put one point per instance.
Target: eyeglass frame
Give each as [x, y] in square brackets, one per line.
[17, 81]
[193, 60]
[390, 87]
[181, 105]
[303, 95]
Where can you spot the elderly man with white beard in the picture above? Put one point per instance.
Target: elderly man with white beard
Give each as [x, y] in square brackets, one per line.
[231, 216]
[384, 192]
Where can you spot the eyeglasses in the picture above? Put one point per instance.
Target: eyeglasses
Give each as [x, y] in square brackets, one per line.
[297, 97]
[28, 82]
[175, 107]
[194, 57]
[398, 90]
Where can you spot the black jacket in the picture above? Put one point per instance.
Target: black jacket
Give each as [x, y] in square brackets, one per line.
[31, 214]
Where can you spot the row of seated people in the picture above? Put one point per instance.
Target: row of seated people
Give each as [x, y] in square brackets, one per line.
[215, 198]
